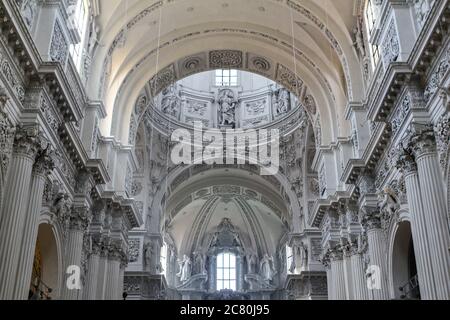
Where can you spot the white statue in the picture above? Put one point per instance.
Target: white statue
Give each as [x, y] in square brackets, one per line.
[200, 263]
[266, 268]
[302, 255]
[148, 253]
[171, 103]
[185, 269]
[93, 37]
[251, 263]
[387, 201]
[359, 41]
[282, 101]
[227, 108]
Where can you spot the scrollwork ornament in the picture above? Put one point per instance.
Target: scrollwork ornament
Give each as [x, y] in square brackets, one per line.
[79, 218]
[423, 143]
[442, 131]
[406, 161]
[370, 218]
[26, 141]
[44, 162]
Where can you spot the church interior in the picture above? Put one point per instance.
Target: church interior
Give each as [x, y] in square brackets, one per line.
[118, 182]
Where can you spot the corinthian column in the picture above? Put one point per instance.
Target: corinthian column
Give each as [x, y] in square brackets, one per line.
[422, 245]
[42, 166]
[79, 221]
[14, 206]
[112, 276]
[337, 274]
[90, 288]
[377, 253]
[434, 201]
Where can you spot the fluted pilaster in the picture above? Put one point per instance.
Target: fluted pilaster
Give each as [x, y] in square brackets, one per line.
[90, 288]
[338, 274]
[422, 245]
[74, 247]
[377, 252]
[348, 275]
[42, 166]
[112, 276]
[102, 271]
[14, 206]
[360, 290]
[434, 203]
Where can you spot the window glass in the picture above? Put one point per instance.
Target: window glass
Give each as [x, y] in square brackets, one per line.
[226, 78]
[226, 271]
[79, 20]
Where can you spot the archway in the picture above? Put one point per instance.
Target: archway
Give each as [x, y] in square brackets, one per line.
[45, 280]
[404, 270]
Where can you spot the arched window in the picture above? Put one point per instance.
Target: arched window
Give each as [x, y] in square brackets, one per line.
[226, 78]
[79, 14]
[226, 271]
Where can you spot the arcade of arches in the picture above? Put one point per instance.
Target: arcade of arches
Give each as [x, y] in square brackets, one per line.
[93, 205]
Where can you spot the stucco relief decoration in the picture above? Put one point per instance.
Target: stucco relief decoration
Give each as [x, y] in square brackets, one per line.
[421, 9]
[256, 107]
[196, 107]
[224, 59]
[391, 45]
[442, 130]
[259, 64]
[6, 139]
[288, 79]
[11, 75]
[134, 246]
[28, 10]
[58, 46]
[171, 102]
[162, 80]
[192, 65]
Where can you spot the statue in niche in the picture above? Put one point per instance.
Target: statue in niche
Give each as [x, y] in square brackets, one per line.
[301, 255]
[359, 39]
[227, 108]
[148, 253]
[171, 103]
[199, 263]
[185, 269]
[281, 101]
[94, 31]
[266, 268]
[251, 263]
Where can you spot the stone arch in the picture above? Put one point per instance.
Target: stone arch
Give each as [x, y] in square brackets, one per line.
[400, 251]
[50, 246]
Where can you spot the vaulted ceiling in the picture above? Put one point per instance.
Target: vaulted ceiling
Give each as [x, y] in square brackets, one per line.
[142, 38]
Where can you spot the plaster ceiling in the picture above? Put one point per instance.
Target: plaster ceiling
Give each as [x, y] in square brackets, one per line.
[133, 30]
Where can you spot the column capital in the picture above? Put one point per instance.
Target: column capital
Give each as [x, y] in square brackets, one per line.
[45, 162]
[370, 218]
[422, 140]
[406, 160]
[79, 218]
[336, 253]
[115, 251]
[28, 141]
